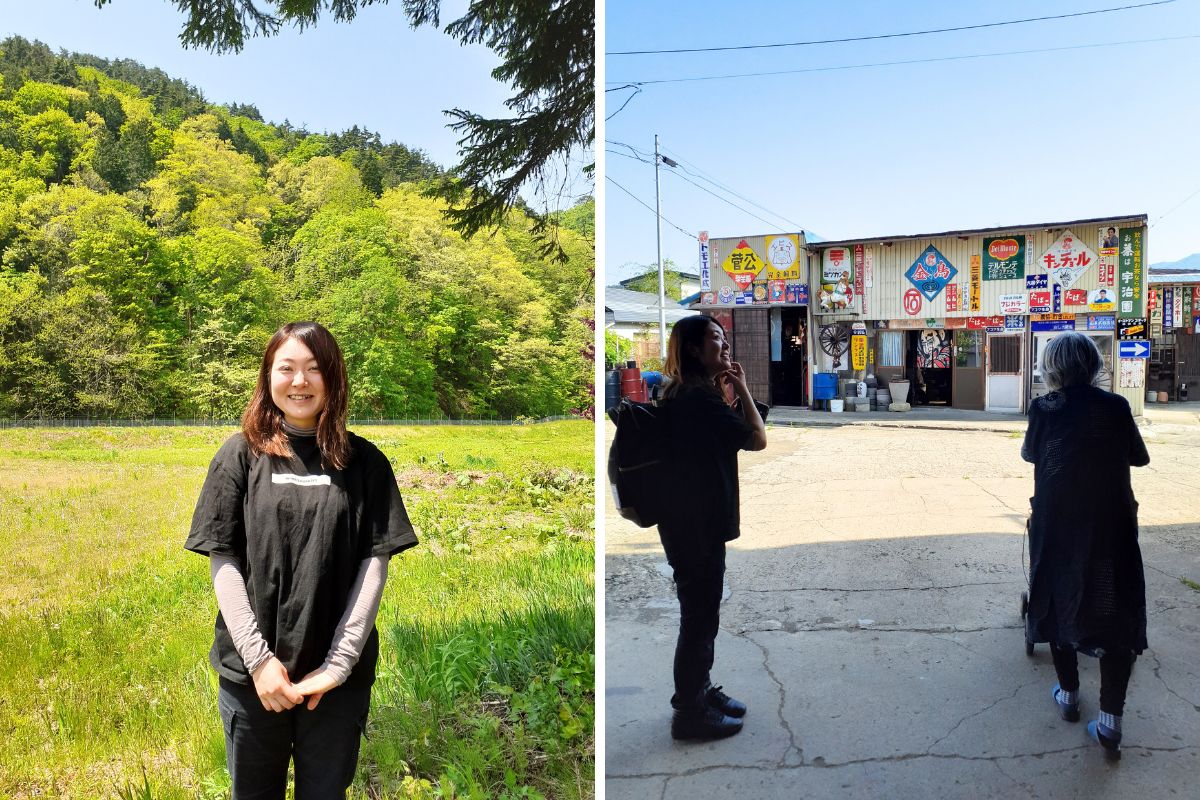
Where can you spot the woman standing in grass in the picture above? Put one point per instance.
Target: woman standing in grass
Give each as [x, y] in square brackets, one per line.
[298, 518]
[706, 434]
[1087, 590]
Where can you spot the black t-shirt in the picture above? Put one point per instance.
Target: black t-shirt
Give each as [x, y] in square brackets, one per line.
[706, 435]
[299, 534]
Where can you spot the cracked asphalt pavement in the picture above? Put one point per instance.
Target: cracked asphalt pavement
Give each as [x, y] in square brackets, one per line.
[871, 622]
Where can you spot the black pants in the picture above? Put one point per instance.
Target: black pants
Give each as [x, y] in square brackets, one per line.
[322, 742]
[1115, 669]
[699, 568]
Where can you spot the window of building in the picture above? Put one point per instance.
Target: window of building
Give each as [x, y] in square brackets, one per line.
[891, 349]
[1004, 354]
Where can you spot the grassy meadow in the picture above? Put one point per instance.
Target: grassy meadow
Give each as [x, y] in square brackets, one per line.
[485, 681]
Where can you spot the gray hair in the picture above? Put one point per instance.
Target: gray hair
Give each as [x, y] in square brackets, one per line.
[1070, 359]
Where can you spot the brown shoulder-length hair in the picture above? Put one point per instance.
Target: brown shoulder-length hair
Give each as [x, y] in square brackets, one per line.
[683, 366]
[262, 421]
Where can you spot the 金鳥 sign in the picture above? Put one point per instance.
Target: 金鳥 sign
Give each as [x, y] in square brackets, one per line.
[930, 273]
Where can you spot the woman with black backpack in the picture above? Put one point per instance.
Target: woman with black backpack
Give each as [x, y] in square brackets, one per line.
[705, 434]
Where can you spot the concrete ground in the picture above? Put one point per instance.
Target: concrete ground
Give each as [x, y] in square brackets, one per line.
[871, 622]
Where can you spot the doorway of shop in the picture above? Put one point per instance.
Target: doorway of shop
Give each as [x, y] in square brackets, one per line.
[929, 354]
[789, 359]
[968, 369]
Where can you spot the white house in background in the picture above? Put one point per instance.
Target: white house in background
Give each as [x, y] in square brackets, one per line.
[635, 314]
[689, 283]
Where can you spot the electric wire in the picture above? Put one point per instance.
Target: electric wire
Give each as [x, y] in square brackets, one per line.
[647, 158]
[636, 91]
[648, 208]
[883, 35]
[699, 173]
[1178, 205]
[912, 61]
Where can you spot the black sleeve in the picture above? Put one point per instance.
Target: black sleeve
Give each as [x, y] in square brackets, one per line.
[723, 425]
[217, 523]
[1138, 455]
[388, 528]
[1029, 447]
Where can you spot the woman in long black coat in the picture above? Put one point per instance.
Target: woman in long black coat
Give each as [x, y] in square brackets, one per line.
[1087, 589]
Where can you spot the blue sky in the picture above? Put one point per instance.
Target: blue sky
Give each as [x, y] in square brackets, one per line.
[914, 148]
[374, 72]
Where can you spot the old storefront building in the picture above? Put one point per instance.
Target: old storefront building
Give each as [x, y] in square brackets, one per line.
[959, 316]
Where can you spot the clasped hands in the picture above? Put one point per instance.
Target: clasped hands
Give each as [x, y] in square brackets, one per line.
[277, 692]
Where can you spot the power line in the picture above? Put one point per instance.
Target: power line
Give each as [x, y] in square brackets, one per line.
[915, 61]
[636, 91]
[648, 208]
[682, 177]
[647, 160]
[1173, 208]
[883, 35]
[699, 173]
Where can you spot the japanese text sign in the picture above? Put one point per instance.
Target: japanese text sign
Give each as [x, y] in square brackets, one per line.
[1129, 273]
[930, 273]
[742, 264]
[783, 257]
[1067, 259]
[1003, 258]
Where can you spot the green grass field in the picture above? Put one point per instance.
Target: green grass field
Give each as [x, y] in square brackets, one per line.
[485, 681]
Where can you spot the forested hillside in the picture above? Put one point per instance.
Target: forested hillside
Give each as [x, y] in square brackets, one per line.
[151, 241]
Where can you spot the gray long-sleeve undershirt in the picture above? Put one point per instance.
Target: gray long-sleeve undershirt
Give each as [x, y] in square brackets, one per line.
[348, 639]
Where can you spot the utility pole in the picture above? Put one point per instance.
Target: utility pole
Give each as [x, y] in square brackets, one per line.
[663, 283]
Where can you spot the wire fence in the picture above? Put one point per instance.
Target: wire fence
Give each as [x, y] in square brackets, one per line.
[155, 422]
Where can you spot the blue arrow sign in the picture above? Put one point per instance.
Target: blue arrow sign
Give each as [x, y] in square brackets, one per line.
[1138, 348]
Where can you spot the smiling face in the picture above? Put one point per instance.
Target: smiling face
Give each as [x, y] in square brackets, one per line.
[713, 351]
[297, 388]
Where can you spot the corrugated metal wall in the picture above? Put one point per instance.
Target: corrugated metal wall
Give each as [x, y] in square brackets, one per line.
[884, 298]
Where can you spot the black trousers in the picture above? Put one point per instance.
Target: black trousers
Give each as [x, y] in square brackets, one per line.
[698, 564]
[322, 742]
[1115, 669]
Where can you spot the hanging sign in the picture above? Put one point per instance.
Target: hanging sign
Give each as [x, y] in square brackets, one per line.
[1129, 273]
[783, 257]
[837, 282]
[1133, 373]
[976, 284]
[705, 269]
[1067, 259]
[1168, 308]
[1004, 258]
[912, 302]
[1013, 304]
[797, 293]
[952, 290]
[930, 273]
[742, 265]
[858, 352]
[1178, 303]
[1131, 328]
[1100, 300]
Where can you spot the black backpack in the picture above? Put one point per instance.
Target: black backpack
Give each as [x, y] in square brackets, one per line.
[637, 462]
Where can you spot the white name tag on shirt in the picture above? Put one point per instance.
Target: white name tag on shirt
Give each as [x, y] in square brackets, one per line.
[300, 480]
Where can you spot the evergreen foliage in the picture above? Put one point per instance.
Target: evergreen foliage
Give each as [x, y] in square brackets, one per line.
[150, 242]
[547, 52]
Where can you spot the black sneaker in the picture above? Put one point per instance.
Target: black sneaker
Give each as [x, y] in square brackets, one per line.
[717, 699]
[707, 723]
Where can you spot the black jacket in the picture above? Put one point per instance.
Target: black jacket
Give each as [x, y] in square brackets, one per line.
[1087, 588]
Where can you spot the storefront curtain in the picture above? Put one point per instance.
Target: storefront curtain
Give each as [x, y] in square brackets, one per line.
[891, 348]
